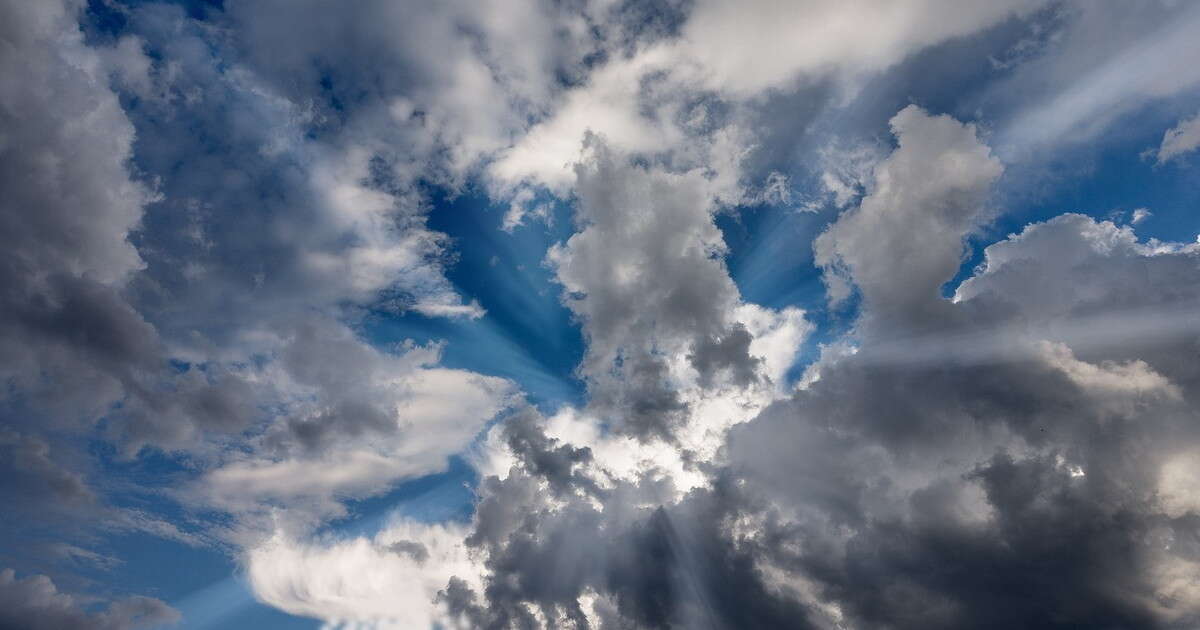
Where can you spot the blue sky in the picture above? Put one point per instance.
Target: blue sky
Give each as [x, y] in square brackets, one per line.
[399, 315]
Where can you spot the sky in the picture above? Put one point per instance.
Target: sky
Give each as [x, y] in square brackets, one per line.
[603, 314]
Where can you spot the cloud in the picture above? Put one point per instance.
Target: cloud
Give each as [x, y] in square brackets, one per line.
[1104, 64]
[644, 277]
[766, 45]
[189, 262]
[675, 358]
[456, 82]
[208, 216]
[924, 200]
[362, 420]
[925, 472]
[35, 603]
[1179, 140]
[65, 150]
[390, 580]
[34, 478]
[1028, 481]
[690, 100]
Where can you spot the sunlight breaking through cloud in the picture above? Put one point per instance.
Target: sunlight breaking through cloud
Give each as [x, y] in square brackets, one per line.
[595, 314]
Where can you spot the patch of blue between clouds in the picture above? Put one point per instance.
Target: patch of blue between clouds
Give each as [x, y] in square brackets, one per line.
[203, 583]
[526, 334]
[207, 588]
[1106, 180]
[770, 259]
[438, 498]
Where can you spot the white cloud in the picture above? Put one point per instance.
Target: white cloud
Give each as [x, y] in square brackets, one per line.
[1121, 383]
[639, 102]
[390, 580]
[746, 48]
[1179, 479]
[315, 460]
[1180, 139]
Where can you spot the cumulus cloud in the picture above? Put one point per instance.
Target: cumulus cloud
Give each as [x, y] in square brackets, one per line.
[571, 504]
[999, 447]
[924, 199]
[68, 211]
[207, 217]
[644, 276]
[197, 292]
[35, 603]
[1039, 478]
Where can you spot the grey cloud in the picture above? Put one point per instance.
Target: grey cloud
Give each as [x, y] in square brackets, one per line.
[35, 603]
[195, 230]
[190, 251]
[1016, 456]
[1096, 287]
[926, 197]
[644, 276]
[410, 548]
[30, 476]
[544, 456]
[729, 355]
[47, 81]
[61, 273]
[452, 82]
[645, 400]
[252, 234]
[1019, 484]
[670, 565]
[75, 346]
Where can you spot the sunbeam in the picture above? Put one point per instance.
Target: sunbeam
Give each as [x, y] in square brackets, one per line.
[596, 315]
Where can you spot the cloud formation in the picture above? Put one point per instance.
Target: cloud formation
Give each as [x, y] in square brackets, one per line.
[34, 603]
[232, 315]
[1180, 140]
